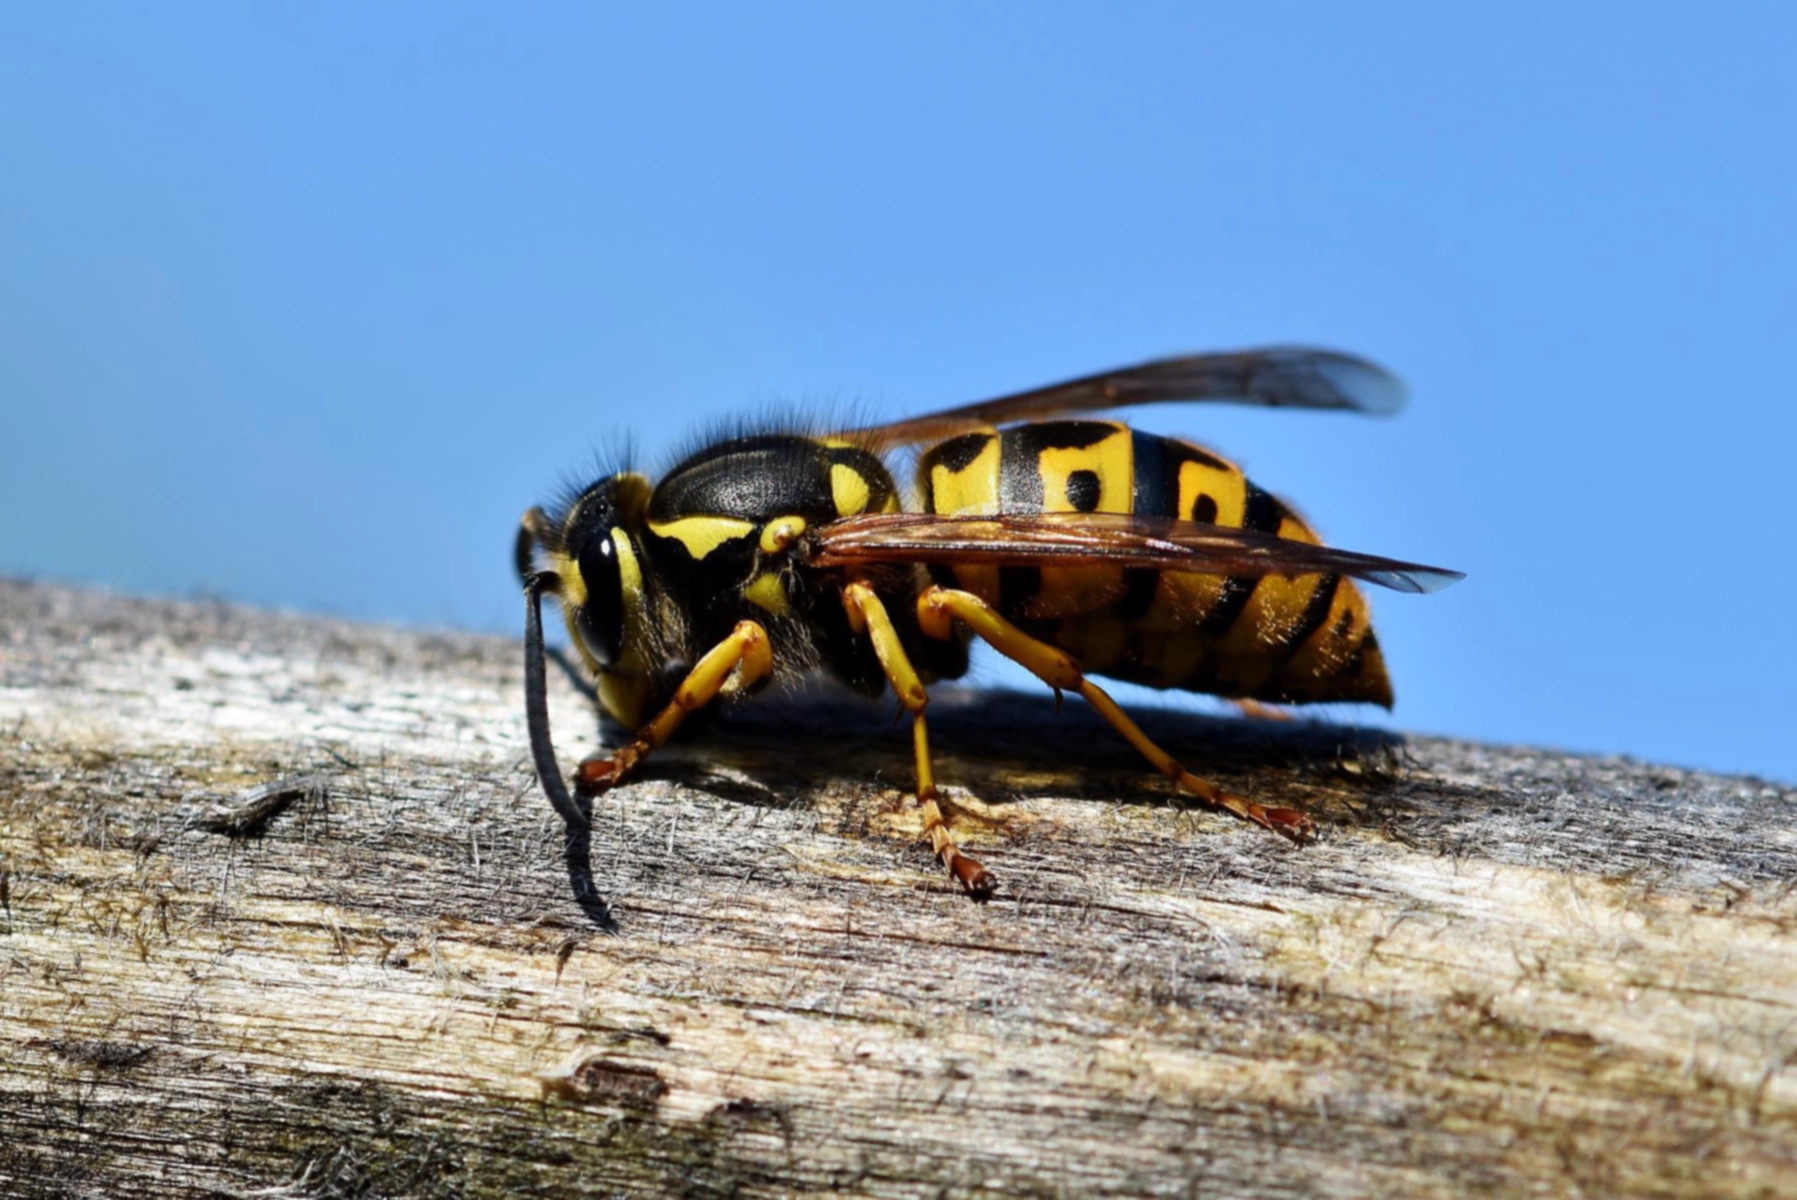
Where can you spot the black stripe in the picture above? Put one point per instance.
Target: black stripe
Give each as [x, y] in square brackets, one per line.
[1017, 587]
[1261, 511]
[1139, 587]
[1019, 473]
[1202, 678]
[1156, 490]
[754, 479]
[1158, 461]
[1184, 452]
[1020, 457]
[1037, 436]
[1237, 591]
[1322, 599]
[1357, 660]
[956, 454]
[873, 473]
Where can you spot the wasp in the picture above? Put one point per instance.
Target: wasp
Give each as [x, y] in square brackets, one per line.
[1074, 547]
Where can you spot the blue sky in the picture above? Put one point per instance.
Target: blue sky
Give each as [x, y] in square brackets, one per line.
[302, 305]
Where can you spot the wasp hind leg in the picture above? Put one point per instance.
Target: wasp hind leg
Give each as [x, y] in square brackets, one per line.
[867, 614]
[737, 663]
[938, 608]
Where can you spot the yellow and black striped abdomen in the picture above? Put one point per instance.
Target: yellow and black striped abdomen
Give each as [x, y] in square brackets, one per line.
[1276, 639]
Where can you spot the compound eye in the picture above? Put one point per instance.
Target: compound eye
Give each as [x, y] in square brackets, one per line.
[602, 616]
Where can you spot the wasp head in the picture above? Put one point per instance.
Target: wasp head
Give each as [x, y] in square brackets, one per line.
[594, 548]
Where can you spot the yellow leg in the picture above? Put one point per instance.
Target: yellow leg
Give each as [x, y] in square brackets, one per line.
[868, 615]
[739, 661]
[937, 610]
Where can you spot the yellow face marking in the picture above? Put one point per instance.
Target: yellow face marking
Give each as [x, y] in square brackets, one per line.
[574, 588]
[702, 535]
[849, 489]
[630, 576]
[573, 594]
[1112, 459]
[972, 489]
[622, 686]
[624, 697]
[766, 592]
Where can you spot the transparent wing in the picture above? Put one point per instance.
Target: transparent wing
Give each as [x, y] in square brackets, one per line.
[1274, 377]
[1084, 539]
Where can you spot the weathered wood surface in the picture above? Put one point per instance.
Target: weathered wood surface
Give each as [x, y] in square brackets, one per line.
[1500, 971]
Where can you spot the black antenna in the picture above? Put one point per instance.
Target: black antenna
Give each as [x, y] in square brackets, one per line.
[536, 702]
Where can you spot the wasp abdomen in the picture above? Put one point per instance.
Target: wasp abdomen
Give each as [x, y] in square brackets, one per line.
[1271, 638]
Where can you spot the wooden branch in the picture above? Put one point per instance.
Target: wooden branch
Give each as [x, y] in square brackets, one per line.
[1500, 971]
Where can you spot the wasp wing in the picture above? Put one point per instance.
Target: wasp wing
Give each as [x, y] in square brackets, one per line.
[1273, 377]
[1089, 539]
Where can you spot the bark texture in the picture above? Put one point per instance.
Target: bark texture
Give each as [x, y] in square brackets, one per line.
[283, 913]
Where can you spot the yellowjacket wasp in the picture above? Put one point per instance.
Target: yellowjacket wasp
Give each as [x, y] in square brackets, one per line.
[1073, 547]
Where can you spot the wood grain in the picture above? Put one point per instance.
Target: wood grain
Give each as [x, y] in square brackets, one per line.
[1500, 971]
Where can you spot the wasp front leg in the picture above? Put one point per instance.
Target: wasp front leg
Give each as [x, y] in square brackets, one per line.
[868, 615]
[738, 663]
[939, 607]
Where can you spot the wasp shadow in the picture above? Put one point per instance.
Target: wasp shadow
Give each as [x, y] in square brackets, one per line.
[823, 749]
[1005, 746]
[577, 853]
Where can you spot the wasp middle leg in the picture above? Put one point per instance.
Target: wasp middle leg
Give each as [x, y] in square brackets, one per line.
[939, 607]
[867, 614]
